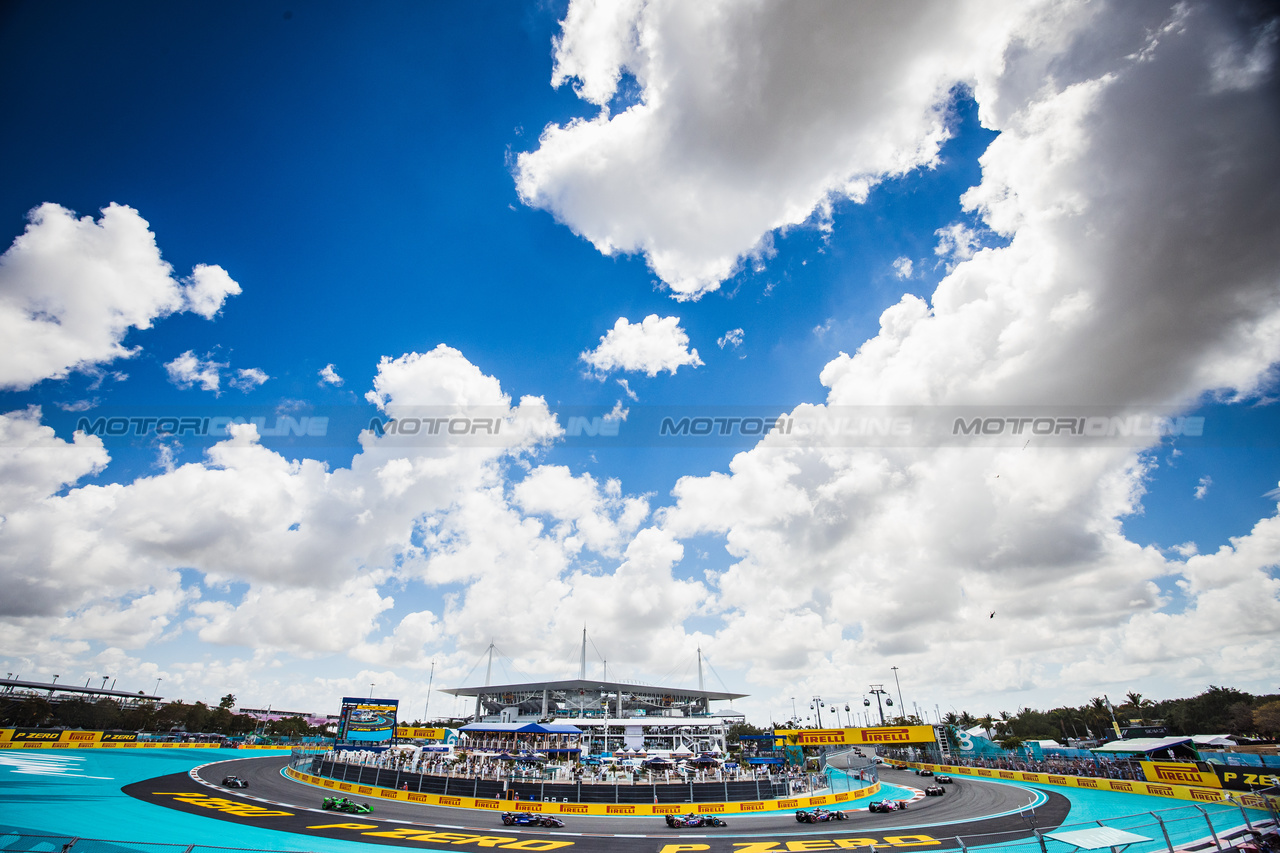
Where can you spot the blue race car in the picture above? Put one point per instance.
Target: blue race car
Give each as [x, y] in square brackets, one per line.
[529, 819]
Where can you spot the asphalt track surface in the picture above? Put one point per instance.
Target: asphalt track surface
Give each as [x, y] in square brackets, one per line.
[980, 812]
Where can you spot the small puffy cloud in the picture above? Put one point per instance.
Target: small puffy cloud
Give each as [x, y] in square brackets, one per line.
[189, 369]
[626, 387]
[329, 376]
[618, 413]
[1202, 488]
[956, 242]
[248, 378]
[903, 267]
[71, 289]
[650, 346]
[207, 288]
[732, 338]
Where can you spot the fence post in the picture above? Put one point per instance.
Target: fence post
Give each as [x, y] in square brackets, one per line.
[963, 848]
[69, 844]
[1231, 799]
[1167, 841]
[1212, 831]
[1040, 838]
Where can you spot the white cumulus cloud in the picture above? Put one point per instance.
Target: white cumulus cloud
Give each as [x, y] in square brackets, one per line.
[329, 376]
[71, 289]
[751, 117]
[651, 346]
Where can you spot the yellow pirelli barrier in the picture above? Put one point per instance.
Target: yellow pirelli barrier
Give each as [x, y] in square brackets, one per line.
[633, 809]
[875, 736]
[69, 739]
[421, 734]
[1196, 793]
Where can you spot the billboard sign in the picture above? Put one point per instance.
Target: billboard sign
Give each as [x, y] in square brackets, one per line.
[876, 736]
[367, 721]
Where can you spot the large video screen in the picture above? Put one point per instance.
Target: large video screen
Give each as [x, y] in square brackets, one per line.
[367, 720]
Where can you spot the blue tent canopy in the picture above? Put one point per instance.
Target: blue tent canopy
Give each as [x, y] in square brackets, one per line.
[522, 728]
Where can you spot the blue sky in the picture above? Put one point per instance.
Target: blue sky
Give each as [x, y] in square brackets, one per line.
[385, 180]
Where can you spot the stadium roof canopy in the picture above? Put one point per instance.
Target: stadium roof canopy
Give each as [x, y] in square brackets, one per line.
[1143, 745]
[590, 685]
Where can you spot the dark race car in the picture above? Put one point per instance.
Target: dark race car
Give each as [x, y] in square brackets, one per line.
[819, 816]
[234, 782]
[529, 819]
[681, 821]
[342, 804]
[887, 806]
[934, 791]
[942, 778]
[924, 771]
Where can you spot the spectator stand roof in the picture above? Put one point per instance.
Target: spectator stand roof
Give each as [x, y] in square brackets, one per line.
[1183, 746]
[522, 728]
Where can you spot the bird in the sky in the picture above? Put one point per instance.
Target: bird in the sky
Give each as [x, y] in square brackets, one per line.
[993, 615]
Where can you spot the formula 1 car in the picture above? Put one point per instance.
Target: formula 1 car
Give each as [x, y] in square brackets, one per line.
[943, 778]
[528, 819]
[923, 771]
[819, 816]
[887, 806]
[342, 804]
[681, 821]
[934, 791]
[234, 782]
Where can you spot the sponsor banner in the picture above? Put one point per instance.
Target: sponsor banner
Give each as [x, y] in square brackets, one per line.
[641, 809]
[34, 736]
[877, 736]
[421, 734]
[1238, 778]
[1178, 773]
[1206, 793]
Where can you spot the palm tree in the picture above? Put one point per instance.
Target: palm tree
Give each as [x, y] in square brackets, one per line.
[986, 721]
[1098, 714]
[1012, 743]
[1138, 704]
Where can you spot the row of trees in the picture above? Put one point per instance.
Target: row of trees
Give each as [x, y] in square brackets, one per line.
[1218, 710]
[109, 714]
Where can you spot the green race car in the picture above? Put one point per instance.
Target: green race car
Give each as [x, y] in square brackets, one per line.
[342, 804]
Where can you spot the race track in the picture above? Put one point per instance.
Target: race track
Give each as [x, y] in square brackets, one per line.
[980, 812]
[51, 797]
